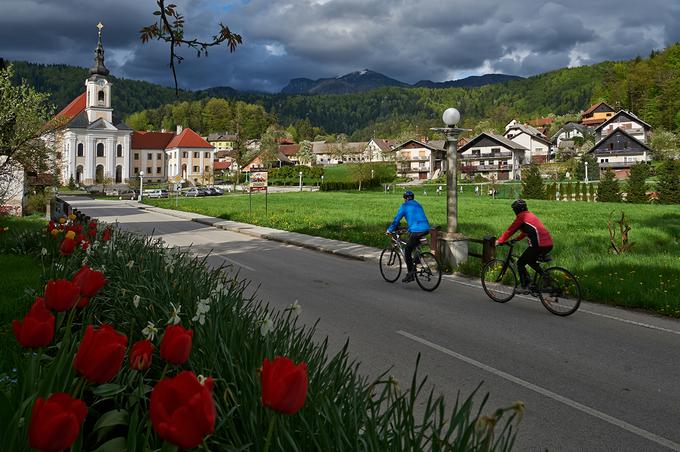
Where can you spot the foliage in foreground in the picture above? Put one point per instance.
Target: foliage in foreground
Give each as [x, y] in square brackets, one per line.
[148, 287]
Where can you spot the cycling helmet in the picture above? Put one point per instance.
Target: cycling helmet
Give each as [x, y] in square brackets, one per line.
[519, 205]
[408, 194]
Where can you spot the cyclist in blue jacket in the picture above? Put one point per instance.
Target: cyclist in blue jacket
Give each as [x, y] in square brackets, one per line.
[418, 227]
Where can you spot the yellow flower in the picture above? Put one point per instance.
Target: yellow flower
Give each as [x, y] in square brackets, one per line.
[71, 217]
[54, 232]
[71, 235]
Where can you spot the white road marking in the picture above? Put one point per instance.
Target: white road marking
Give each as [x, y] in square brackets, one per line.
[237, 263]
[607, 316]
[547, 393]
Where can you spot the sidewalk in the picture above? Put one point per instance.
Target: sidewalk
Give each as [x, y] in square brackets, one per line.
[337, 247]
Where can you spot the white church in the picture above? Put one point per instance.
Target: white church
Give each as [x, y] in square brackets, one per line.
[93, 144]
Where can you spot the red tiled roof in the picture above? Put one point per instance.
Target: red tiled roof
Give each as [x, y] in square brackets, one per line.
[541, 122]
[151, 140]
[188, 139]
[221, 165]
[76, 106]
[289, 149]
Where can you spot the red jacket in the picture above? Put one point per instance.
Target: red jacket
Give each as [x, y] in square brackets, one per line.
[531, 227]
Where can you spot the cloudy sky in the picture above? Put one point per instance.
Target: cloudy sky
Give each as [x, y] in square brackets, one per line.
[409, 40]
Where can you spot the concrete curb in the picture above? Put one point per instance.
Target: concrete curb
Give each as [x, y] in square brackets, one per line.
[330, 246]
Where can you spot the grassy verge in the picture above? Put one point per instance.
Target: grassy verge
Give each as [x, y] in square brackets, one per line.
[647, 277]
[18, 273]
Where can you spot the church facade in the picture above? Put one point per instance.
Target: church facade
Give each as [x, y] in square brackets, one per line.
[94, 146]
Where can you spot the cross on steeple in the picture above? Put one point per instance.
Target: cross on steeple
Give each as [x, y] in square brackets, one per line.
[99, 68]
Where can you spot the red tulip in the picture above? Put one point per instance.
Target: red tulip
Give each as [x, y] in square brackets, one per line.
[61, 295]
[176, 344]
[92, 224]
[37, 328]
[55, 422]
[80, 238]
[83, 302]
[89, 281]
[106, 235]
[100, 354]
[182, 410]
[85, 245]
[140, 355]
[284, 385]
[67, 246]
[51, 225]
[92, 233]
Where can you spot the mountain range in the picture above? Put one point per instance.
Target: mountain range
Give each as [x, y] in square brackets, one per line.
[366, 80]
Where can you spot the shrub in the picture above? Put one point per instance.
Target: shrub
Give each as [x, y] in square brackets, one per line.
[636, 187]
[668, 186]
[35, 204]
[532, 183]
[608, 190]
[72, 183]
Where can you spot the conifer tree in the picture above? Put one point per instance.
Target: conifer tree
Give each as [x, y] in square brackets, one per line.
[532, 183]
[636, 186]
[608, 190]
[668, 186]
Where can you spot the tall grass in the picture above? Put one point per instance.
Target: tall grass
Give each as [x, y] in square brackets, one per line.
[646, 277]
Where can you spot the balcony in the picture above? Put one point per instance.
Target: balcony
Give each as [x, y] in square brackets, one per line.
[627, 164]
[483, 168]
[484, 156]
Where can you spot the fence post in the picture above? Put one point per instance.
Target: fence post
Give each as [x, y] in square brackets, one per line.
[488, 248]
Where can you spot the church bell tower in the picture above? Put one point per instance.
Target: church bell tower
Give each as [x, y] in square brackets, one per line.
[98, 87]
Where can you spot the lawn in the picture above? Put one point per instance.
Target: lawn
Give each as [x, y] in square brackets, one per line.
[18, 273]
[647, 277]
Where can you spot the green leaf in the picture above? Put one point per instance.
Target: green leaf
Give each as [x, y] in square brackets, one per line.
[112, 418]
[113, 445]
[108, 390]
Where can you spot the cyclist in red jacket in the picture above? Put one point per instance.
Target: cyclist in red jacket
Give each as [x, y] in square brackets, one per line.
[540, 241]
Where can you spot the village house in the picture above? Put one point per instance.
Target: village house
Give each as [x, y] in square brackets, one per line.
[565, 139]
[222, 141]
[627, 121]
[420, 159]
[492, 156]
[619, 151]
[336, 153]
[537, 144]
[596, 114]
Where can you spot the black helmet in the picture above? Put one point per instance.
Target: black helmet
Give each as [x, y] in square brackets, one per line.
[408, 194]
[519, 205]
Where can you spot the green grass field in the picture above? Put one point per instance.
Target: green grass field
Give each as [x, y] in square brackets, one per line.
[647, 277]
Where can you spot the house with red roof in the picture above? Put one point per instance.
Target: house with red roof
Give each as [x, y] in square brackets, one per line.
[190, 157]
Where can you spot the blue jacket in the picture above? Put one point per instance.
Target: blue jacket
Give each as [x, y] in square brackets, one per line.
[415, 217]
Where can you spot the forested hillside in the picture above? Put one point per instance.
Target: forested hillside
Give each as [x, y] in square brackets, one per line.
[649, 87]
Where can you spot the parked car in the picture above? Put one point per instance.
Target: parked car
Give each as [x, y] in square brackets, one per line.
[159, 193]
[129, 194]
[204, 192]
[193, 192]
[212, 191]
[218, 191]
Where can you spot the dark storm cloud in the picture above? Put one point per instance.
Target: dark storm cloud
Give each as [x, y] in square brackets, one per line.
[409, 40]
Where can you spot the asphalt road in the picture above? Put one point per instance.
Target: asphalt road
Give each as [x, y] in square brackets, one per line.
[604, 379]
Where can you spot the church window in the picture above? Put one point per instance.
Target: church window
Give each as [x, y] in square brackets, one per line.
[207, 155]
[119, 150]
[100, 150]
[195, 155]
[101, 97]
[80, 149]
[184, 155]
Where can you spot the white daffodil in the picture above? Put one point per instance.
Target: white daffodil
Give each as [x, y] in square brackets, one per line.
[43, 251]
[296, 308]
[267, 326]
[135, 300]
[150, 331]
[59, 266]
[130, 264]
[201, 379]
[174, 314]
[89, 249]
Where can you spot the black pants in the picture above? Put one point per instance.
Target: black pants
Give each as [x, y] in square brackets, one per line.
[529, 257]
[413, 242]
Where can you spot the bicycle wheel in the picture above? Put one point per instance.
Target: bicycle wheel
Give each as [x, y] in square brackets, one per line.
[428, 271]
[499, 281]
[390, 264]
[559, 291]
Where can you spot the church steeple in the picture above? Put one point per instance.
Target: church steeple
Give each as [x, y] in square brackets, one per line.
[99, 68]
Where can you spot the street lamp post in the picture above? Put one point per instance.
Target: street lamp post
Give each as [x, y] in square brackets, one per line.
[586, 165]
[456, 245]
[300, 174]
[371, 174]
[321, 181]
[141, 185]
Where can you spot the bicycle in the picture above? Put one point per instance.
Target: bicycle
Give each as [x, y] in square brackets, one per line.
[428, 272]
[556, 287]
